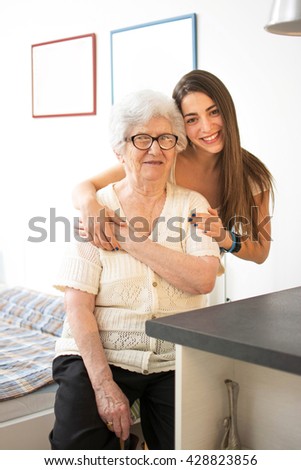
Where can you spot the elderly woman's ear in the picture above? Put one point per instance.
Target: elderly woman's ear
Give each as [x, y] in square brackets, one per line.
[119, 157]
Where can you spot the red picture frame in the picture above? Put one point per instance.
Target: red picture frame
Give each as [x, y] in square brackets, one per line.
[64, 77]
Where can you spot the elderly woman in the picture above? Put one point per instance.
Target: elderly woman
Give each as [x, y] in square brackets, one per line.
[104, 360]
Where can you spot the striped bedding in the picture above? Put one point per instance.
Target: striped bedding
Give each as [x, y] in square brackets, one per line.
[30, 321]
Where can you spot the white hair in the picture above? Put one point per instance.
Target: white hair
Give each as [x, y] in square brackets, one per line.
[139, 108]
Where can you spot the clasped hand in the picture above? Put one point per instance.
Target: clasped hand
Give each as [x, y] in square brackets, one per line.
[210, 223]
[106, 230]
[99, 226]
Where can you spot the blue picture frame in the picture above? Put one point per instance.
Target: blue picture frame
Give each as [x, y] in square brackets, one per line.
[153, 55]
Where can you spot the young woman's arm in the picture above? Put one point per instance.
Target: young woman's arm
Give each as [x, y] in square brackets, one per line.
[258, 250]
[251, 250]
[92, 213]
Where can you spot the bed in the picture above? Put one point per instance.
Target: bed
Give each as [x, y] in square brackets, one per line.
[30, 322]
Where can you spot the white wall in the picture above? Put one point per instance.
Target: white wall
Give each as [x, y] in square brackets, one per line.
[42, 159]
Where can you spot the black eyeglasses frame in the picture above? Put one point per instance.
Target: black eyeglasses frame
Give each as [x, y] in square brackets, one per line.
[133, 137]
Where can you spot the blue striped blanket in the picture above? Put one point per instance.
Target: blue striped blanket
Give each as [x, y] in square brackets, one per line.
[30, 321]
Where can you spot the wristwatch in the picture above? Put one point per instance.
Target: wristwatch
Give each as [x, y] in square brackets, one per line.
[236, 244]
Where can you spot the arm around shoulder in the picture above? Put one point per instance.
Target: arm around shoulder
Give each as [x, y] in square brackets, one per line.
[84, 198]
[85, 191]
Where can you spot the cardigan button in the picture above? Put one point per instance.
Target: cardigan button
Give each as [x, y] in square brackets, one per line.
[155, 284]
[153, 317]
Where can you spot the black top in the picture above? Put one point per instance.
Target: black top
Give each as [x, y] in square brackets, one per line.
[264, 330]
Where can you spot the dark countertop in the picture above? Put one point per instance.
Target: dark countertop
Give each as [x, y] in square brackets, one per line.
[263, 330]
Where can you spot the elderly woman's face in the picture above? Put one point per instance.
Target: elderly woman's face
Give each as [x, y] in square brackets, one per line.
[152, 163]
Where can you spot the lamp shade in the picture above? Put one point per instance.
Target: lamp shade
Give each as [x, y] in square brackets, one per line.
[285, 18]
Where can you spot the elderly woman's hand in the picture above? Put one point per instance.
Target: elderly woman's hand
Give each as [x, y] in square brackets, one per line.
[113, 408]
[129, 235]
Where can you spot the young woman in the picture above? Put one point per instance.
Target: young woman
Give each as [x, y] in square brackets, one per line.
[237, 184]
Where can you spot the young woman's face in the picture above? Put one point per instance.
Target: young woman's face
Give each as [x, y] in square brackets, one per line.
[203, 122]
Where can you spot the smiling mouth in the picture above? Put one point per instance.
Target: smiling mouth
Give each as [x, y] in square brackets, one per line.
[153, 162]
[211, 138]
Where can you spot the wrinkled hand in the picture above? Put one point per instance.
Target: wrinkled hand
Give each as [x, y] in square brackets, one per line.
[211, 224]
[113, 408]
[128, 236]
[97, 225]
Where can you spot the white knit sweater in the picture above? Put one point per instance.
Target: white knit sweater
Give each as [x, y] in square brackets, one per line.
[128, 292]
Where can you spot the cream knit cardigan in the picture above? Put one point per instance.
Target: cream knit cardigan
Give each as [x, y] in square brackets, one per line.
[128, 292]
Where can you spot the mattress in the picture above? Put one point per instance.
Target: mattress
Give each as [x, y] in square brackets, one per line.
[30, 322]
[34, 402]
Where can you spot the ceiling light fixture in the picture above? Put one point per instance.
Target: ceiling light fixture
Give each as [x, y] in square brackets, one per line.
[285, 18]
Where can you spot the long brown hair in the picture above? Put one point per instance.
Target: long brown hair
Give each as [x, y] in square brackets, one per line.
[239, 169]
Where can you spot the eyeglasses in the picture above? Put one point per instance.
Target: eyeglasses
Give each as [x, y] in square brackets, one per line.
[145, 141]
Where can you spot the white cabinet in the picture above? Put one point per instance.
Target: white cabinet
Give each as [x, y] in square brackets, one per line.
[269, 402]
